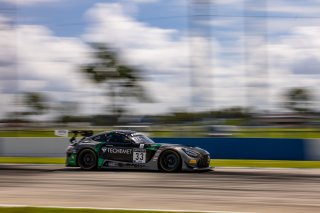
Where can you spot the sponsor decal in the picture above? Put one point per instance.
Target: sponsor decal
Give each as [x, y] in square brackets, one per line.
[156, 155]
[104, 149]
[139, 156]
[118, 151]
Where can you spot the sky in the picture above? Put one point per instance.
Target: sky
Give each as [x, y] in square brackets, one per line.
[233, 53]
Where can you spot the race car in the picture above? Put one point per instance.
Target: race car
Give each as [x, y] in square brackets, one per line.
[125, 149]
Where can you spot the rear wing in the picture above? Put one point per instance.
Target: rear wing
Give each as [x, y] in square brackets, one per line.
[65, 133]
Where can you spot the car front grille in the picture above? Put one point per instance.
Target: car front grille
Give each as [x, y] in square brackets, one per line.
[203, 161]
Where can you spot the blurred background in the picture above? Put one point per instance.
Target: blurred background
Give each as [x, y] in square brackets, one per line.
[172, 68]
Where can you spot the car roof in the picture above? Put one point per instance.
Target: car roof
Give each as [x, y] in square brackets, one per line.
[125, 132]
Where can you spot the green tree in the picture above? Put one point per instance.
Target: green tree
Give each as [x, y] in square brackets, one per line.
[298, 100]
[122, 81]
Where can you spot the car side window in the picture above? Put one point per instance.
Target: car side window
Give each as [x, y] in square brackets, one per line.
[118, 138]
[100, 138]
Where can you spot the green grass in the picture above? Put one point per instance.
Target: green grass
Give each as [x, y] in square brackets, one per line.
[32, 160]
[64, 210]
[215, 163]
[26, 133]
[279, 133]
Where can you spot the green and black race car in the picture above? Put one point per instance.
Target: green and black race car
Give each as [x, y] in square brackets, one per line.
[124, 149]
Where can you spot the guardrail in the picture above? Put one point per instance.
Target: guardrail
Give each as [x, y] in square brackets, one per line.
[254, 148]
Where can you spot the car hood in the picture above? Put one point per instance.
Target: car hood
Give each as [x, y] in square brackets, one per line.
[198, 149]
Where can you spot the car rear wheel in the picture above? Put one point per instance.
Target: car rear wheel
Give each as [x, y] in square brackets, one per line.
[170, 161]
[87, 159]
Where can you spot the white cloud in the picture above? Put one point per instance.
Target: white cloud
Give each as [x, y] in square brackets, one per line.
[33, 59]
[113, 25]
[292, 58]
[163, 51]
[45, 62]
[163, 54]
[46, 57]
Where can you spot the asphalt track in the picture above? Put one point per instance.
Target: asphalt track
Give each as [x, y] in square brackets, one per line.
[225, 189]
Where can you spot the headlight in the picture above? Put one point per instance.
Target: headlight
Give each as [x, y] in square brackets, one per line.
[191, 153]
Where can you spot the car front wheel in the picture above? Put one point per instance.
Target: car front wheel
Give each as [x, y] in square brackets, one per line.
[170, 161]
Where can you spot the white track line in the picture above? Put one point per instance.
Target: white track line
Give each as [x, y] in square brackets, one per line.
[125, 209]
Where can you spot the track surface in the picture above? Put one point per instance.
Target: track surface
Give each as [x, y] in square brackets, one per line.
[225, 189]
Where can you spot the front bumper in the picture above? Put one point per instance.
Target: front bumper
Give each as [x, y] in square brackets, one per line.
[201, 163]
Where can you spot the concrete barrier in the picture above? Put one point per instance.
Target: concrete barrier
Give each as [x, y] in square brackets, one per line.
[220, 148]
[1, 148]
[33, 147]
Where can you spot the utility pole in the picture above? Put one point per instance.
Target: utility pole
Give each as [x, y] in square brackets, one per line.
[201, 81]
[256, 54]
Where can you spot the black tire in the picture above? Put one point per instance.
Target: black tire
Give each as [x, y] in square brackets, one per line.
[170, 161]
[87, 159]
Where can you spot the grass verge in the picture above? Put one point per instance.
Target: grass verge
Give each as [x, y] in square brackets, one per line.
[32, 160]
[65, 210]
[215, 163]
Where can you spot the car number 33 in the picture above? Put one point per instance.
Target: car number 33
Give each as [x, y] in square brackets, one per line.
[139, 156]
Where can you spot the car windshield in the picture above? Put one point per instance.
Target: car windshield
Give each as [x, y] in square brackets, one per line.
[142, 139]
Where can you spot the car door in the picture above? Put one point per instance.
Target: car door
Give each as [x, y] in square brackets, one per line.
[118, 148]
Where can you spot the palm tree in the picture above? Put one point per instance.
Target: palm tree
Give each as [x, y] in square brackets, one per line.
[298, 100]
[122, 81]
[36, 102]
